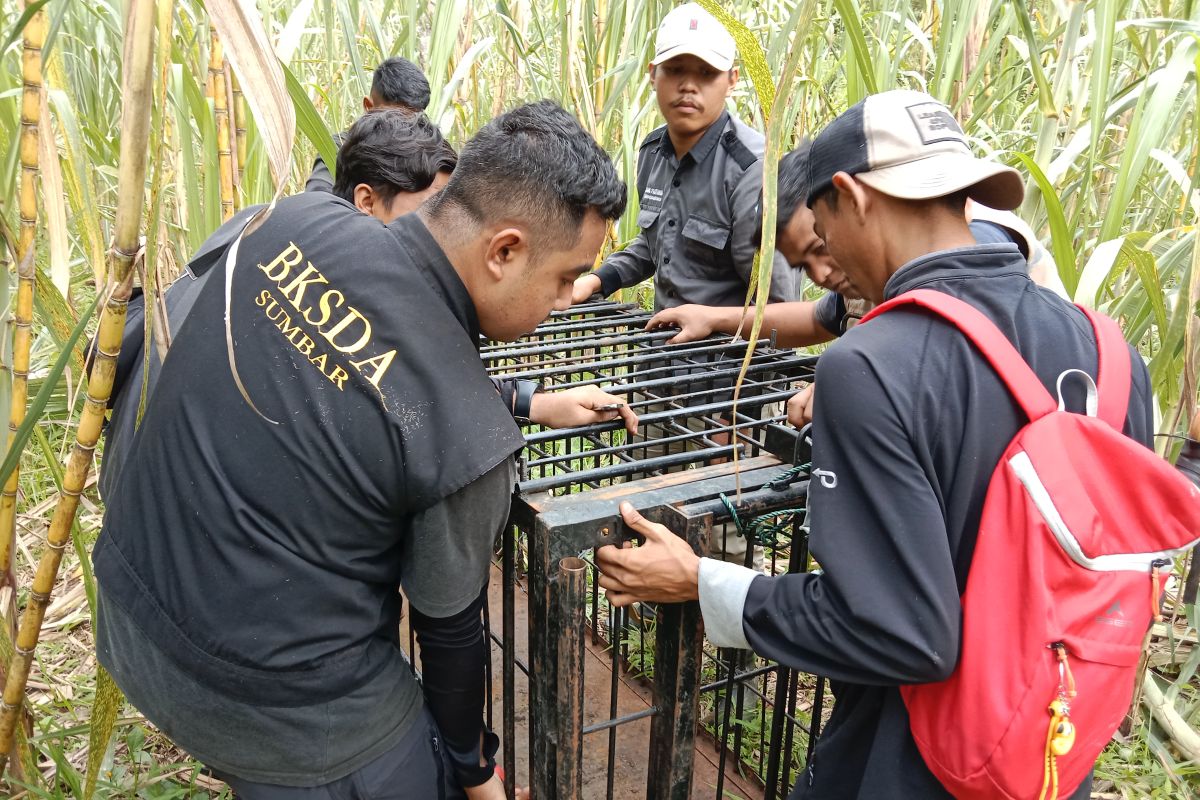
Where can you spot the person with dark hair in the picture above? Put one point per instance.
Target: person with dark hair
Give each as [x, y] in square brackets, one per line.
[394, 158]
[912, 422]
[345, 445]
[398, 84]
[699, 179]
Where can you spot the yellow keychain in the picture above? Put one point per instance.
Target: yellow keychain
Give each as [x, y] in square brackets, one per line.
[1062, 730]
[1060, 736]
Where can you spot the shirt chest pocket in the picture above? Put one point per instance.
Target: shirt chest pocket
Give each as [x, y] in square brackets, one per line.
[647, 217]
[705, 243]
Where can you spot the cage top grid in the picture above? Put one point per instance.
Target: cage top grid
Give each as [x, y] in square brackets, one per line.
[683, 394]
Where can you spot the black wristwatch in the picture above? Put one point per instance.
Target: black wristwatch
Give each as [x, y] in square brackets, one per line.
[523, 400]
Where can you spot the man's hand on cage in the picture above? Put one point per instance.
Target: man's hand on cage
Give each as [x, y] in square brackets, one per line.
[583, 405]
[663, 569]
[800, 406]
[694, 322]
[585, 286]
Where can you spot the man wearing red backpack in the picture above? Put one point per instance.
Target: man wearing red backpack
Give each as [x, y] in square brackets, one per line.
[911, 423]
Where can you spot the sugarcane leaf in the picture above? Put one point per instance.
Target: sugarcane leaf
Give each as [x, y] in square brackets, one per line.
[858, 44]
[104, 721]
[349, 31]
[1045, 93]
[310, 122]
[38, 405]
[1061, 241]
[1146, 269]
[54, 202]
[751, 52]
[51, 310]
[289, 37]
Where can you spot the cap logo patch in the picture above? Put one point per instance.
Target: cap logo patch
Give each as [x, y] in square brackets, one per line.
[693, 24]
[935, 124]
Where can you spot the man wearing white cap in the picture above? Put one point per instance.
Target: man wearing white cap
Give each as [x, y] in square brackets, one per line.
[699, 179]
[911, 423]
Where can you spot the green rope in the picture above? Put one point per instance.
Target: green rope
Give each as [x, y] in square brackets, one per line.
[772, 528]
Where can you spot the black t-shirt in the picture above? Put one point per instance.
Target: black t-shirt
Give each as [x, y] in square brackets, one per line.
[264, 554]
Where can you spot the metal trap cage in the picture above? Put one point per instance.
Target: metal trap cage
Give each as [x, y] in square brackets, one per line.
[698, 465]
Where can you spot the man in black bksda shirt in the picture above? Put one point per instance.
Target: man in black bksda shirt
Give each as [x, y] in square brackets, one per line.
[251, 558]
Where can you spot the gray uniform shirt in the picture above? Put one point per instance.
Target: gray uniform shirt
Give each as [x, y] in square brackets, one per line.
[698, 220]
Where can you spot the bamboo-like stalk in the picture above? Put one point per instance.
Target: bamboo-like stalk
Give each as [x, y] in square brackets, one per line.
[31, 103]
[239, 134]
[235, 164]
[220, 98]
[135, 128]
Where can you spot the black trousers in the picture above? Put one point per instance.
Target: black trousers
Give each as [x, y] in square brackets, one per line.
[415, 769]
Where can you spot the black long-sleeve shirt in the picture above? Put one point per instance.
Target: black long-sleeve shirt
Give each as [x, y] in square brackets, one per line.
[910, 424]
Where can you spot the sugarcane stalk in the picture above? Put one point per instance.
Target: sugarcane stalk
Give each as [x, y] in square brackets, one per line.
[239, 134]
[134, 137]
[31, 105]
[220, 97]
[235, 164]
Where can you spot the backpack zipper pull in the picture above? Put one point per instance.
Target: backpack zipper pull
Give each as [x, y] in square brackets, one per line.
[1066, 681]
[1060, 736]
[1155, 587]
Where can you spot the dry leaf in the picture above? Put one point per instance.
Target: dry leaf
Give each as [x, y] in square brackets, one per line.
[54, 202]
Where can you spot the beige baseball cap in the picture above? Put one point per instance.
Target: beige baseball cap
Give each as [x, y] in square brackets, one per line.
[906, 144]
[690, 30]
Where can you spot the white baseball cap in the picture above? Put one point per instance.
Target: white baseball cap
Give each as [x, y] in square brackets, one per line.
[690, 30]
[906, 144]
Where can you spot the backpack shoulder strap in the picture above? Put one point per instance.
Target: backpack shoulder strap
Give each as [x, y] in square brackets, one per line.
[1114, 374]
[1022, 382]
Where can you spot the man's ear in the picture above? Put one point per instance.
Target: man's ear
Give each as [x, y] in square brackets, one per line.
[851, 191]
[368, 104]
[507, 252]
[733, 79]
[651, 70]
[365, 198]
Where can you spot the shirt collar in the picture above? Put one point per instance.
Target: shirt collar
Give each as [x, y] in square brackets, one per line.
[424, 251]
[980, 260]
[702, 148]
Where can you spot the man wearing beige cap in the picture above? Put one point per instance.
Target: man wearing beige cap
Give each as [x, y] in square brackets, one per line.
[911, 422]
[699, 179]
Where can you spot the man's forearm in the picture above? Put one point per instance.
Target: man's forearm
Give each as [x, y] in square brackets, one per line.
[794, 323]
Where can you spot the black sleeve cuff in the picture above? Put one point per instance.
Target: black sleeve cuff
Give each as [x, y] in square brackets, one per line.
[467, 770]
[610, 279]
[523, 399]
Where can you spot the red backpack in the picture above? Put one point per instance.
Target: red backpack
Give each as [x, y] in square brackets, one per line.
[1079, 528]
